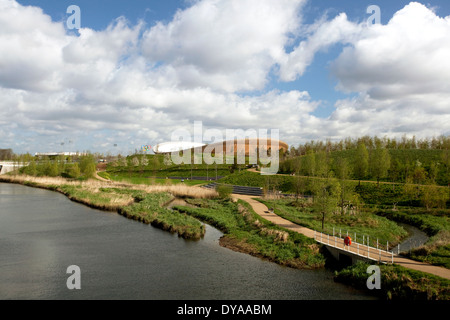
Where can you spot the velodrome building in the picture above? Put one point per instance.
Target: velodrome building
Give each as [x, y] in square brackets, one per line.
[247, 146]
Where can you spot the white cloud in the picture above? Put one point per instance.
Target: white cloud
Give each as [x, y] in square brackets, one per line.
[408, 56]
[133, 85]
[226, 45]
[401, 71]
[323, 35]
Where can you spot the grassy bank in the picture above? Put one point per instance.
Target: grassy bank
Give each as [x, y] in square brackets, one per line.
[138, 202]
[247, 232]
[397, 283]
[125, 178]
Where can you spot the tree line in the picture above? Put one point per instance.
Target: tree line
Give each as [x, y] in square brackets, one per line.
[372, 159]
[68, 167]
[403, 143]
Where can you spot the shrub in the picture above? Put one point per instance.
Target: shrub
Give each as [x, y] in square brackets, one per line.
[224, 191]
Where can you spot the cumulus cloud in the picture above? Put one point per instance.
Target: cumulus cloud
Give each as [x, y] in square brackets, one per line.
[408, 56]
[402, 74]
[129, 85]
[323, 35]
[226, 45]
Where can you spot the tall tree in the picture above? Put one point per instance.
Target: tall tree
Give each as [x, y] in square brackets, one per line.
[380, 162]
[361, 164]
[326, 197]
[308, 165]
[322, 166]
[343, 172]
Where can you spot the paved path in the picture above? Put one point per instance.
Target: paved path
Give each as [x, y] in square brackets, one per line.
[262, 210]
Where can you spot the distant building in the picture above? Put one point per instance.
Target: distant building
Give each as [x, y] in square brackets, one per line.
[56, 154]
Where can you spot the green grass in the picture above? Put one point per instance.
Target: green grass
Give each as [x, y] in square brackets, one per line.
[132, 203]
[251, 234]
[149, 208]
[104, 200]
[124, 177]
[397, 283]
[199, 170]
[364, 223]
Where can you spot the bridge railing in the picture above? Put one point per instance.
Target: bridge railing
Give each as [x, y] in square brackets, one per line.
[363, 250]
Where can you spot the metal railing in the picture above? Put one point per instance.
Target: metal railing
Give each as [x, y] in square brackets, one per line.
[363, 250]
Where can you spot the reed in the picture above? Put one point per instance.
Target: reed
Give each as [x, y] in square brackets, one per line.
[139, 202]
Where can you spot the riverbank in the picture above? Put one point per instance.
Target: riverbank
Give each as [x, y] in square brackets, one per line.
[243, 230]
[141, 203]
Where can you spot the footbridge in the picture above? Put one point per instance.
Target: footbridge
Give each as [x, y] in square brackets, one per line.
[347, 249]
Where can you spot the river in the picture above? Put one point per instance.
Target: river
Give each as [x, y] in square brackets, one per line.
[42, 233]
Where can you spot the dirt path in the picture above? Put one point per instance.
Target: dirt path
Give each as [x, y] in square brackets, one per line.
[262, 210]
[96, 176]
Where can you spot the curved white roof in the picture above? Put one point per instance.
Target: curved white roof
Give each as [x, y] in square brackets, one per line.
[173, 146]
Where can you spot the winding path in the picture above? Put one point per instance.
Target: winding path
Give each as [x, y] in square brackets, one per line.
[262, 210]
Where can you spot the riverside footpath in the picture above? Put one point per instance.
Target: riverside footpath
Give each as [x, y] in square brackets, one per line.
[262, 210]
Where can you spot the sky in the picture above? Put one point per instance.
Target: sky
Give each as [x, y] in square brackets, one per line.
[137, 71]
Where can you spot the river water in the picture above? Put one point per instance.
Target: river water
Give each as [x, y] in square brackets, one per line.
[42, 233]
[415, 239]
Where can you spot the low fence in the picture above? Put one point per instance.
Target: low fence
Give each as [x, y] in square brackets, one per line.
[362, 250]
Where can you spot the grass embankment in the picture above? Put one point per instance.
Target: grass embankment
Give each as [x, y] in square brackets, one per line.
[364, 223]
[138, 202]
[162, 171]
[397, 282]
[247, 232]
[370, 192]
[125, 178]
[435, 223]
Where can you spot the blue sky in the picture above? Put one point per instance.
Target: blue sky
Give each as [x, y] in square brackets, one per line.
[137, 70]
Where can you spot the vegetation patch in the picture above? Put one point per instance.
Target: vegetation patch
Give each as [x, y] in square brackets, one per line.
[247, 232]
[435, 223]
[397, 282]
[364, 223]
